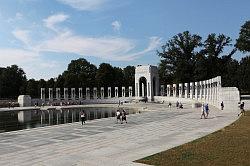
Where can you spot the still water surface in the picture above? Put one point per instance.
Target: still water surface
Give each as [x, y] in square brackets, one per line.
[18, 120]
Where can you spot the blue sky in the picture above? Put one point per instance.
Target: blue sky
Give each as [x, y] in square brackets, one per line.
[43, 36]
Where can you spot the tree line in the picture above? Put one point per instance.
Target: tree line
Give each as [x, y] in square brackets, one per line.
[79, 74]
[187, 58]
[184, 58]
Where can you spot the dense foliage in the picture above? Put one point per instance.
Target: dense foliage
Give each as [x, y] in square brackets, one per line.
[184, 58]
[80, 73]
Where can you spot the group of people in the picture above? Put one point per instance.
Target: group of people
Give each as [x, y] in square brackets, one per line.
[179, 105]
[204, 111]
[121, 116]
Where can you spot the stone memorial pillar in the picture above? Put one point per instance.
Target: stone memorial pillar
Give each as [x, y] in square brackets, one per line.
[50, 93]
[206, 89]
[213, 90]
[130, 91]
[174, 90]
[192, 89]
[196, 90]
[180, 90]
[162, 90]
[43, 94]
[95, 92]
[123, 92]
[186, 90]
[109, 92]
[87, 93]
[210, 90]
[116, 92]
[58, 94]
[80, 93]
[168, 90]
[65, 93]
[201, 90]
[73, 93]
[102, 92]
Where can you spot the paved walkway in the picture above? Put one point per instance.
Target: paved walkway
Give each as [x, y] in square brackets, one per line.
[103, 142]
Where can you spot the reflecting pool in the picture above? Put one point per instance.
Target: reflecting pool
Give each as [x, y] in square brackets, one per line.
[17, 120]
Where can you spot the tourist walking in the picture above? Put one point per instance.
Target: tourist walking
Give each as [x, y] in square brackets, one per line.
[207, 110]
[181, 106]
[83, 117]
[203, 111]
[177, 104]
[222, 105]
[124, 116]
[242, 110]
[118, 116]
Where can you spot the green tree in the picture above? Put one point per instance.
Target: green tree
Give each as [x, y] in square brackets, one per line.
[32, 88]
[213, 49]
[105, 75]
[80, 73]
[244, 71]
[129, 76]
[178, 57]
[13, 82]
[243, 42]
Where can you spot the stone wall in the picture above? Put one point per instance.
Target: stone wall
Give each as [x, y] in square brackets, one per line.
[207, 91]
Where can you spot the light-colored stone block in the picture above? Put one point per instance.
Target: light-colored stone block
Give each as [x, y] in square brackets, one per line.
[24, 101]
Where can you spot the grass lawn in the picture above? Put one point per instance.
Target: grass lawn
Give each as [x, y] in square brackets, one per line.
[229, 146]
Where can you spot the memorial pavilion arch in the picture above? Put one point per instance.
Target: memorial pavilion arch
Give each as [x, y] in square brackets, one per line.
[146, 82]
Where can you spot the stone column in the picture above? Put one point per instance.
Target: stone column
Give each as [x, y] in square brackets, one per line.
[73, 93]
[137, 90]
[43, 94]
[50, 93]
[210, 90]
[174, 90]
[142, 90]
[109, 92]
[87, 93]
[205, 89]
[162, 90]
[116, 92]
[213, 90]
[123, 92]
[192, 89]
[180, 90]
[201, 90]
[168, 90]
[130, 91]
[186, 90]
[102, 92]
[65, 93]
[58, 94]
[95, 92]
[80, 93]
[196, 90]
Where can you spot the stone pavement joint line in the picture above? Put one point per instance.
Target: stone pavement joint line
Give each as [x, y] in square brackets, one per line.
[103, 142]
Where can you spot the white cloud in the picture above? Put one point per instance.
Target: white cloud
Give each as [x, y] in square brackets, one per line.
[22, 35]
[84, 5]
[19, 16]
[52, 20]
[111, 48]
[11, 56]
[116, 25]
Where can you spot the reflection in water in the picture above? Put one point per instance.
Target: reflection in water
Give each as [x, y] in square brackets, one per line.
[18, 120]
